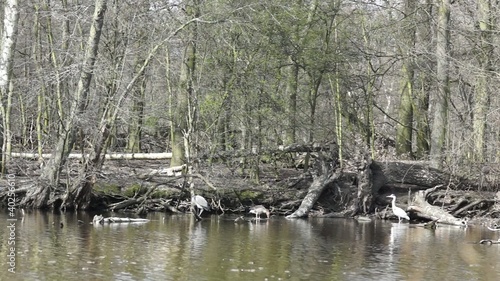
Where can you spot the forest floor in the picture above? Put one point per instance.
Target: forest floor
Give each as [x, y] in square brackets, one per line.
[231, 189]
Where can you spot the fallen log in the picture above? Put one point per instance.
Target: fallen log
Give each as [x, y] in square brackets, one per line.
[416, 175]
[169, 172]
[319, 184]
[124, 204]
[110, 156]
[425, 210]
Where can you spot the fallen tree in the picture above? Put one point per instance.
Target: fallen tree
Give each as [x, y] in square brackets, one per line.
[327, 189]
[424, 210]
[319, 183]
[108, 156]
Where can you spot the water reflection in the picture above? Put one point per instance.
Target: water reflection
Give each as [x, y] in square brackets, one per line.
[176, 247]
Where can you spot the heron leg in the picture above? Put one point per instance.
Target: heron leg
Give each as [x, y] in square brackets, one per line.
[201, 211]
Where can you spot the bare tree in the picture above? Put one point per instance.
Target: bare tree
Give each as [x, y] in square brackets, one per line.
[38, 197]
[404, 131]
[440, 122]
[8, 43]
[482, 89]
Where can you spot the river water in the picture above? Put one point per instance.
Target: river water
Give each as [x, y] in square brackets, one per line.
[176, 247]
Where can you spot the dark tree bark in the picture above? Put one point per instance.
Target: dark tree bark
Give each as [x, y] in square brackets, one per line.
[416, 175]
[326, 171]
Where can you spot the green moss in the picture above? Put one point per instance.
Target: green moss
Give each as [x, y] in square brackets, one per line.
[165, 194]
[251, 195]
[133, 190]
[108, 188]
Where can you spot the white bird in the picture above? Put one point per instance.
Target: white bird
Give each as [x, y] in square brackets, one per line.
[200, 203]
[400, 213]
[258, 210]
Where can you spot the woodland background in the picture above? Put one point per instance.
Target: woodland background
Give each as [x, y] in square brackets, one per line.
[408, 79]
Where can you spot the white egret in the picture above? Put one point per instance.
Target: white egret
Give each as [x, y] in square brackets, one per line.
[258, 210]
[400, 213]
[200, 203]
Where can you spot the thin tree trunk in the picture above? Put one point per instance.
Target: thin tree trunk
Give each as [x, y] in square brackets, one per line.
[422, 92]
[440, 122]
[184, 118]
[404, 130]
[135, 128]
[8, 43]
[328, 171]
[50, 173]
[68, 136]
[482, 91]
[292, 89]
[37, 54]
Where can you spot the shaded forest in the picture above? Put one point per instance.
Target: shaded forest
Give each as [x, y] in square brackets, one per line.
[320, 87]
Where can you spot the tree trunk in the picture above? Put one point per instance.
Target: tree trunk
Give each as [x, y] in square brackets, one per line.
[482, 89]
[404, 129]
[366, 187]
[292, 90]
[425, 81]
[320, 182]
[328, 171]
[135, 128]
[440, 122]
[184, 117]
[8, 44]
[50, 172]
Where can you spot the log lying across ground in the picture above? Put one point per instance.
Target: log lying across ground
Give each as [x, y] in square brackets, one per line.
[415, 175]
[426, 211]
[99, 219]
[110, 156]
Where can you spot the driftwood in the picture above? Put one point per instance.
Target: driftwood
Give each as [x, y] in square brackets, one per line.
[110, 156]
[425, 210]
[99, 219]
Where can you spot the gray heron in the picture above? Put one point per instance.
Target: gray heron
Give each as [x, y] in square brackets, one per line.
[400, 213]
[200, 203]
[258, 210]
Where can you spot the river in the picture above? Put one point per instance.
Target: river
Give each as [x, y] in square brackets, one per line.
[176, 247]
